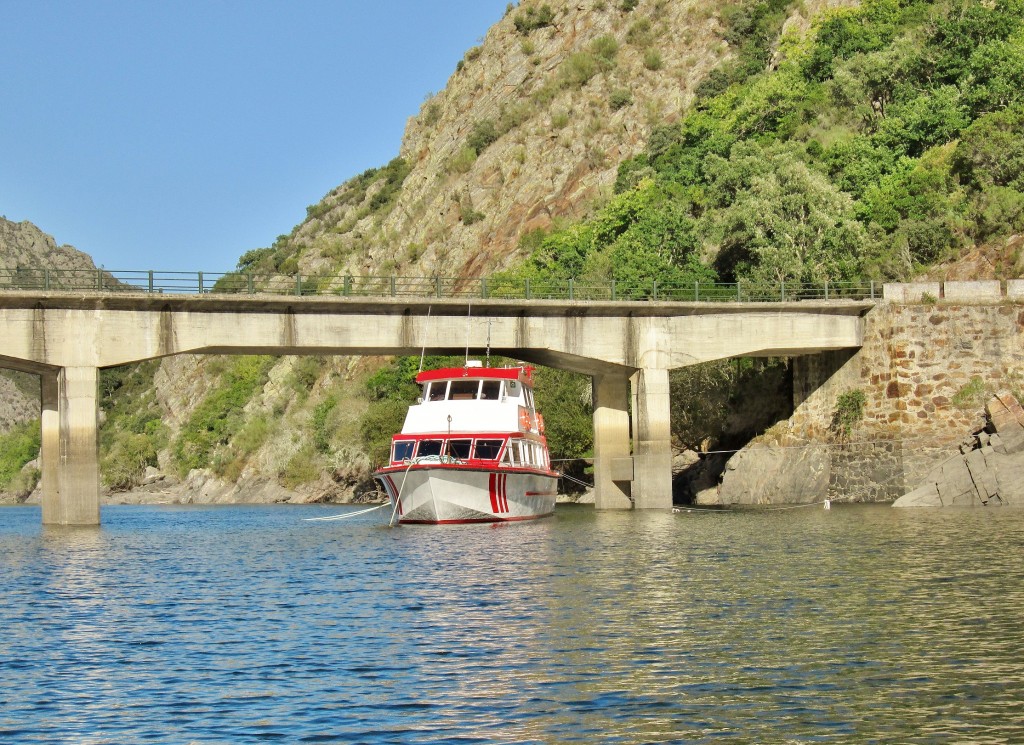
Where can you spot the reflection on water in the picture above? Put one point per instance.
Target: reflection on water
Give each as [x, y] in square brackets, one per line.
[242, 624]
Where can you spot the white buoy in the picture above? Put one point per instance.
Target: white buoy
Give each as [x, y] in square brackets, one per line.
[828, 504]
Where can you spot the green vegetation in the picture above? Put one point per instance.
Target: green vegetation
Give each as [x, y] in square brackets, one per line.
[879, 145]
[849, 411]
[132, 430]
[17, 447]
[533, 18]
[652, 60]
[971, 395]
[219, 416]
[619, 98]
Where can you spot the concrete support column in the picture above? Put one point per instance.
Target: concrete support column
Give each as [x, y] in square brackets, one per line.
[613, 467]
[76, 498]
[652, 440]
[49, 446]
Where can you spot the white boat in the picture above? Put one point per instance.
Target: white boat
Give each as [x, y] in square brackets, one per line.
[472, 449]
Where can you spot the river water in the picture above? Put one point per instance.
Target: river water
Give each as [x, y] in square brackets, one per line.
[860, 624]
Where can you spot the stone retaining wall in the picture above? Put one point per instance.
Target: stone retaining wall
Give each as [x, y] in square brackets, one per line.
[926, 370]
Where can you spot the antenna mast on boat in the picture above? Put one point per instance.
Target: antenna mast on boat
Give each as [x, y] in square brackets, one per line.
[423, 349]
[469, 314]
[488, 363]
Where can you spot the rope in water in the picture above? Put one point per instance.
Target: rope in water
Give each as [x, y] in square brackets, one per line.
[345, 515]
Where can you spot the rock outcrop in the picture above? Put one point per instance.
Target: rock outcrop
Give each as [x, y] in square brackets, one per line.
[773, 474]
[989, 471]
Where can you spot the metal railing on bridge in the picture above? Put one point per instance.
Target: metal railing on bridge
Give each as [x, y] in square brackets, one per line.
[493, 287]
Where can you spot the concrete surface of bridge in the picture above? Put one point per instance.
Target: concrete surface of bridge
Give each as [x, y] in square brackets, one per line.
[628, 349]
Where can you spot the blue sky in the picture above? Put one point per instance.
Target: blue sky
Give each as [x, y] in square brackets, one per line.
[178, 135]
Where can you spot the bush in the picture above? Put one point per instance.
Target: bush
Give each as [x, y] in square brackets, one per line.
[604, 49]
[219, 415]
[482, 134]
[125, 464]
[17, 447]
[533, 18]
[463, 160]
[619, 98]
[578, 69]
[652, 59]
[849, 411]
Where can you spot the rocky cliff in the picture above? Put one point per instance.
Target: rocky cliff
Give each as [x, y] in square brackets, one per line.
[26, 247]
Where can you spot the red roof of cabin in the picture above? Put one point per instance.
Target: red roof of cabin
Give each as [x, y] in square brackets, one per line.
[453, 373]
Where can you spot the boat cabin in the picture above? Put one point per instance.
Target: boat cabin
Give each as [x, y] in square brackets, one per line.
[476, 416]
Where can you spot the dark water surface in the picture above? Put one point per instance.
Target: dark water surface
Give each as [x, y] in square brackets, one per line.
[248, 624]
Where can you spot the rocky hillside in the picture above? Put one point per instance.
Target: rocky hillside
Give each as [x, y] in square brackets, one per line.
[24, 246]
[529, 131]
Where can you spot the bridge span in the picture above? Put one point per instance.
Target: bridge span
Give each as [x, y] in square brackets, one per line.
[627, 348]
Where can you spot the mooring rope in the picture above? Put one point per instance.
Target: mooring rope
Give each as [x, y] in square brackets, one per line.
[345, 515]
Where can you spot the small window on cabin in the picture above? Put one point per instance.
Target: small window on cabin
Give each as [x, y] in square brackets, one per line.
[490, 390]
[428, 448]
[529, 397]
[463, 390]
[402, 450]
[526, 453]
[436, 390]
[459, 448]
[512, 388]
[487, 449]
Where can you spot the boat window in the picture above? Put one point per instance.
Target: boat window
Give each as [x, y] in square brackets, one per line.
[463, 390]
[428, 448]
[490, 390]
[512, 388]
[402, 450]
[459, 449]
[487, 449]
[529, 397]
[522, 453]
[436, 390]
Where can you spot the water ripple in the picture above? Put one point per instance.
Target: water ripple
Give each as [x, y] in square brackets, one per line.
[246, 625]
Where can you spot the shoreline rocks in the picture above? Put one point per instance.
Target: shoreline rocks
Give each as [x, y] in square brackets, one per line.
[989, 471]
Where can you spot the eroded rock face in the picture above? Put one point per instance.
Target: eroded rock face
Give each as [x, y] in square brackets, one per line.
[990, 471]
[773, 474]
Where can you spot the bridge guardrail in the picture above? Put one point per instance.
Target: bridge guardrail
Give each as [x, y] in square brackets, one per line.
[498, 287]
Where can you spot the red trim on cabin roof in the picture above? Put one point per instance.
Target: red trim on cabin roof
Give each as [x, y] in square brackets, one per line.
[524, 374]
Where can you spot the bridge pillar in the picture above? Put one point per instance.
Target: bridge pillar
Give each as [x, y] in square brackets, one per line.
[652, 440]
[612, 464]
[70, 447]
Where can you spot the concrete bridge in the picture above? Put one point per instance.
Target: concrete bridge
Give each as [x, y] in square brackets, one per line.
[628, 349]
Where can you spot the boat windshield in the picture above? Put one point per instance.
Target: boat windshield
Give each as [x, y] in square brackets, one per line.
[429, 447]
[490, 390]
[487, 449]
[459, 448]
[402, 450]
[463, 390]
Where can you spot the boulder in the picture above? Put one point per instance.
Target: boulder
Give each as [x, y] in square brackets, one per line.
[773, 474]
[991, 473]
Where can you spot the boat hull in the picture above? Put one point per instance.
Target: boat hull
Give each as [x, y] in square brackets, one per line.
[442, 494]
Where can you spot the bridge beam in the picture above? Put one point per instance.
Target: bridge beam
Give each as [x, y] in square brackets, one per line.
[70, 447]
[652, 440]
[612, 464]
